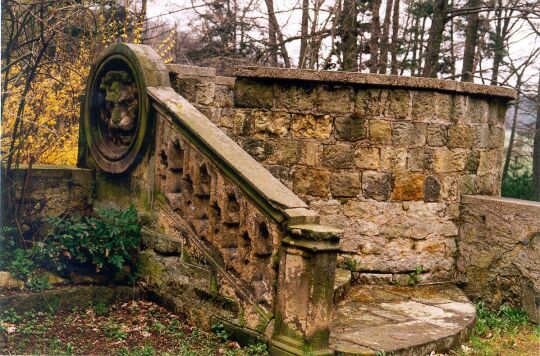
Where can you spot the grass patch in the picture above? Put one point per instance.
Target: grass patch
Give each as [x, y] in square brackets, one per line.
[506, 331]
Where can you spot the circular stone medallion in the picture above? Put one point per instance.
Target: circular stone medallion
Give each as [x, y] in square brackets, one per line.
[116, 120]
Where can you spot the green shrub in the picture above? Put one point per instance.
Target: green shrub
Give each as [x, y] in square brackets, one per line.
[39, 283]
[518, 183]
[15, 260]
[105, 241]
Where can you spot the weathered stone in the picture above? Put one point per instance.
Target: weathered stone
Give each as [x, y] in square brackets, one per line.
[368, 103]
[481, 135]
[499, 252]
[334, 99]
[345, 184]
[460, 136]
[253, 94]
[432, 189]
[490, 162]
[477, 111]
[496, 137]
[338, 156]
[270, 123]
[350, 128]
[377, 185]
[409, 134]
[311, 153]
[380, 132]
[497, 113]
[408, 186]
[393, 159]
[450, 160]
[423, 106]
[296, 97]
[8, 281]
[437, 135]
[473, 160]
[310, 181]
[368, 158]
[258, 149]
[311, 126]
[286, 152]
[420, 159]
[397, 104]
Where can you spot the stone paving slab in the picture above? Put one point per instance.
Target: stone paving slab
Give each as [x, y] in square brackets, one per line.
[401, 320]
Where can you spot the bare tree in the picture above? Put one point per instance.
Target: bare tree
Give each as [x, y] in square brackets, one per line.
[536, 147]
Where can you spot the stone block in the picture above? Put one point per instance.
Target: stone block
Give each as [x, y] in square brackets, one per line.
[496, 137]
[286, 152]
[311, 153]
[393, 159]
[408, 186]
[473, 160]
[338, 156]
[311, 181]
[292, 97]
[497, 113]
[481, 136]
[420, 159]
[311, 126]
[270, 124]
[368, 158]
[490, 162]
[423, 106]
[345, 184]
[437, 135]
[334, 99]
[432, 189]
[460, 136]
[368, 103]
[477, 111]
[376, 185]
[409, 134]
[258, 149]
[450, 160]
[253, 94]
[350, 128]
[397, 104]
[380, 132]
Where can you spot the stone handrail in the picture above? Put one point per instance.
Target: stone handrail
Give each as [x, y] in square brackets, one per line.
[246, 221]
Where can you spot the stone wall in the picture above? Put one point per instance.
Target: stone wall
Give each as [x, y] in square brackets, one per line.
[48, 191]
[499, 252]
[384, 158]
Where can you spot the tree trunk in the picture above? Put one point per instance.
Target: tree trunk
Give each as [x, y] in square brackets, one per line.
[272, 40]
[273, 24]
[375, 36]
[501, 31]
[349, 36]
[471, 41]
[512, 137]
[395, 32]
[304, 34]
[440, 8]
[385, 37]
[536, 147]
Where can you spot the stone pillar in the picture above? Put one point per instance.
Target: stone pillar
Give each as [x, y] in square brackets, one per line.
[306, 286]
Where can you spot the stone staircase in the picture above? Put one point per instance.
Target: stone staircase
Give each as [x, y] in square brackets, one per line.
[229, 241]
[376, 319]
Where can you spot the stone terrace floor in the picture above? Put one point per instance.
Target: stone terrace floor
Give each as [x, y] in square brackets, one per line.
[401, 320]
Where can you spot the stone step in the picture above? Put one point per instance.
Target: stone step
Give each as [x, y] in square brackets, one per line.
[342, 284]
[401, 320]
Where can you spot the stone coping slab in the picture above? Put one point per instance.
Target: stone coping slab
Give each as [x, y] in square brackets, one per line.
[251, 175]
[401, 320]
[43, 167]
[378, 80]
[507, 202]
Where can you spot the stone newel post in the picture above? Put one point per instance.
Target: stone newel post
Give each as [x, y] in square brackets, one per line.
[305, 290]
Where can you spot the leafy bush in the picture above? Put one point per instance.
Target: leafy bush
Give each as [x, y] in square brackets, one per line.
[505, 320]
[39, 283]
[518, 183]
[105, 241]
[13, 259]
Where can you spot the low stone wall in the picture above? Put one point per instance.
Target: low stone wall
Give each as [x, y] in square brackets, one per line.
[384, 158]
[499, 252]
[48, 191]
